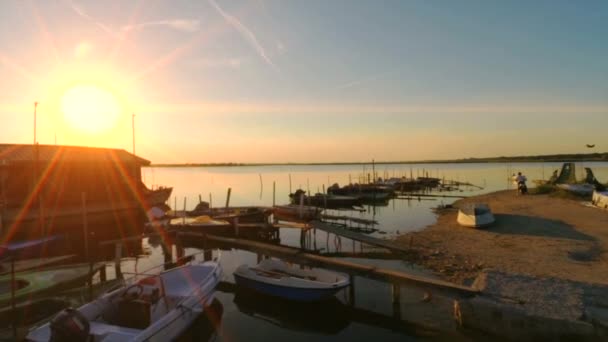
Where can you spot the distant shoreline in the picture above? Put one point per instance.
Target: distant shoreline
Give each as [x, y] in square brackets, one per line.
[589, 157]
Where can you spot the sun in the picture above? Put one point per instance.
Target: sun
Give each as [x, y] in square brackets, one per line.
[90, 108]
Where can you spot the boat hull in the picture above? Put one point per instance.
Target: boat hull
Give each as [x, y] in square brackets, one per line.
[288, 292]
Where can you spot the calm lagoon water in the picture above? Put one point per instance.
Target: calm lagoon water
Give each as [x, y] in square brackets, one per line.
[240, 316]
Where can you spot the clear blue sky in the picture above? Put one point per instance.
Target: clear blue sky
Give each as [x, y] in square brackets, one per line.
[273, 81]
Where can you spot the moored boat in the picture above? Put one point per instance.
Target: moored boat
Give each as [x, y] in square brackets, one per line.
[156, 308]
[203, 223]
[296, 212]
[324, 200]
[279, 279]
[475, 215]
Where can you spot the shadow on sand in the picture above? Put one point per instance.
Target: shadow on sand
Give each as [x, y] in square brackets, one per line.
[536, 226]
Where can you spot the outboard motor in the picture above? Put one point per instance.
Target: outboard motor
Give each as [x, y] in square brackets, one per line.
[69, 325]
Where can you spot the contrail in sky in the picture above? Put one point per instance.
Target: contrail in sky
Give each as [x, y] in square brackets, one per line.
[245, 32]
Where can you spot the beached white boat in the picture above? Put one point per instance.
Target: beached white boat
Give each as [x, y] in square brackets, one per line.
[279, 279]
[156, 308]
[579, 189]
[600, 199]
[475, 215]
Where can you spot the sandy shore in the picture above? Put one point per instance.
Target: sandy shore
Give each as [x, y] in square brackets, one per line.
[536, 235]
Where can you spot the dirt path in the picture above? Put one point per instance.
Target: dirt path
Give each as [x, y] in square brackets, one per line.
[535, 235]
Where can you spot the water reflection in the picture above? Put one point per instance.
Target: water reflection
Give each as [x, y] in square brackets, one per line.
[207, 326]
[328, 317]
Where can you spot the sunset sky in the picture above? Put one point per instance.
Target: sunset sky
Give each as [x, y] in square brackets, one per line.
[307, 81]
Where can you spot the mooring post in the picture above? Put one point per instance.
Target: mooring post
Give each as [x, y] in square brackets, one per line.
[175, 205]
[210, 201]
[13, 300]
[180, 252]
[85, 233]
[301, 206]
[396, 294]
[184, 217]
[351, 291]
[117, 257]
[260, 257]
[228, 198]
[274, 192]
[207, 254]
[200, 198]
[235, 222]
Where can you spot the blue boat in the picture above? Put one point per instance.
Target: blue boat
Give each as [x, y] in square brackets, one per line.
[277, 278]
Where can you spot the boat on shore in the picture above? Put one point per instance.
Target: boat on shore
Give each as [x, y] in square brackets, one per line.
[277, 278]
[582, 189]
[475, 215]
[600, 199]
[156, 308]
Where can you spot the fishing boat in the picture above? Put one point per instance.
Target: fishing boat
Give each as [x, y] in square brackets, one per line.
[475, 215]
[600, 199]
[35, 283]
[156, 308]
[277, 278]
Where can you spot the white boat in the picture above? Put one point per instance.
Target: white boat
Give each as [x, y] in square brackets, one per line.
[277, 278]
[579, 189]
[475, 215]
[156, 308]
[600, 199]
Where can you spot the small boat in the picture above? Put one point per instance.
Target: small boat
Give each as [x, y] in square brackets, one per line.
[34, 283]
[201, 224]
[244, 214]
[579, 189]
[277, 278]
[600, 199]
[28, 264]
[475, 215]
[156, 308]
[296, 212]
[324, 200]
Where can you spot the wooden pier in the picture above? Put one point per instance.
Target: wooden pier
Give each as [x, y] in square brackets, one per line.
[397, 278]
[390, 245]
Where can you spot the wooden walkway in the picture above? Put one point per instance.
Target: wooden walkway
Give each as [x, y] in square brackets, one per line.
[303, 257]
[390, 245]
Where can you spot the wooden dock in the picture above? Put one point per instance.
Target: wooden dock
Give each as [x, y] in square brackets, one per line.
[390, 245]
[397, 278]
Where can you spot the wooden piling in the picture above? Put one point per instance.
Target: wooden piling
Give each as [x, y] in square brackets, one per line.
[228, 198]
[210, 201]
[290, 183]
[274, 193]
[117, 257]
[184, 217]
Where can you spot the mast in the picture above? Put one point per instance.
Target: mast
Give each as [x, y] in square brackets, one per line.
[35, 106]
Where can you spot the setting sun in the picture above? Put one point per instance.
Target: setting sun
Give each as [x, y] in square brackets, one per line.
[90, 108]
